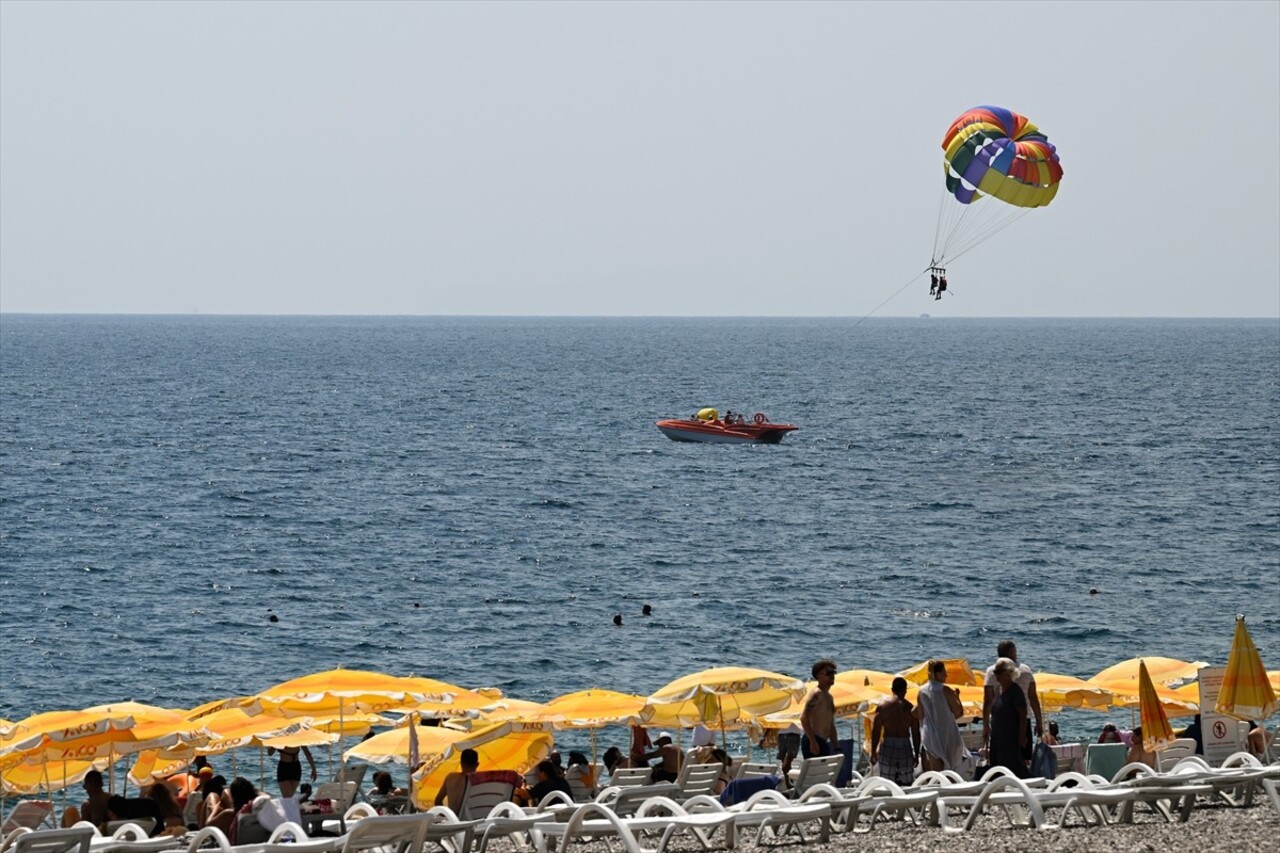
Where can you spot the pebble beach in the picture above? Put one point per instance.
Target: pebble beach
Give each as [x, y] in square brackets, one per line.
[1211, 828]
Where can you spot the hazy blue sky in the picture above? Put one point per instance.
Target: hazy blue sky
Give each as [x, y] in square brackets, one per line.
[629, 159]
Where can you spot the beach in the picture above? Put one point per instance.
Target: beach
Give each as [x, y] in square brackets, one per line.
[1210, 828]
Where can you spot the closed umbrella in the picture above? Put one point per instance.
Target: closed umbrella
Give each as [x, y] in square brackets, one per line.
[1246, 692]
[1157, 734]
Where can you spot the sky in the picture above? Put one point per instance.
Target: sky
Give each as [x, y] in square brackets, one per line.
[628, 159]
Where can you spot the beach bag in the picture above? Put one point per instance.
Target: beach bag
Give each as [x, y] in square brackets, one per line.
[1043, 761]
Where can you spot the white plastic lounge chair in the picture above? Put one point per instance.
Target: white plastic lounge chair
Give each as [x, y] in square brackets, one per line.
[73, 840]
[505, 820]
[627, 777]
[756, 769]
[698, 779]
[1179, 749]
[816, 771]
[341, 794]
[595, 820]
[772, 815]
[1159, 791]
[351, 773]
[884, 797]
[625, 801]
[485, 789]
[287, 838]
[31, 814]
[130, 838]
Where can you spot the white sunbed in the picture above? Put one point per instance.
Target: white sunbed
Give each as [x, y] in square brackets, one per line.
[504, 820]
[695, 779]
[29, 814]
[73, 840]
[770, 813]
[877, 797]
[597, 821]
[130, 838]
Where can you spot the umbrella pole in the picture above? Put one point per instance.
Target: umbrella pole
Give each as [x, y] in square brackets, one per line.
[342, 768]
[262, 769]
[593, 750]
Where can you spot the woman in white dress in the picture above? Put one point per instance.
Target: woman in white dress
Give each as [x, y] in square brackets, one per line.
[937, 708]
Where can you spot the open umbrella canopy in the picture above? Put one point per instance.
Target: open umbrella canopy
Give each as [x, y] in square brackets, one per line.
[336, 692]
[1066, 691]
[959, 672]
[1167, 671]
[865, 677]
[25, 779]
[970, 698]
[728, 694]
[1246, 692]
[850, 700]
[105, 731]
[1122, 680]
[1157, 734]
[502, 711]
[501, 746]
[591, 709]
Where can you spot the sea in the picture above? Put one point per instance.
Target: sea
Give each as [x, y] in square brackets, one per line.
[195, 507]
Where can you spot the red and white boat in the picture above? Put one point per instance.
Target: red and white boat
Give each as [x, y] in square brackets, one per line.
[712, 430]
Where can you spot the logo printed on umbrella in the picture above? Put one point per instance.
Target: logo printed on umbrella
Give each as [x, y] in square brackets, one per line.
[87, 750]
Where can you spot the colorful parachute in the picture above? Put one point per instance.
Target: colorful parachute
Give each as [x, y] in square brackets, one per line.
[991, 152]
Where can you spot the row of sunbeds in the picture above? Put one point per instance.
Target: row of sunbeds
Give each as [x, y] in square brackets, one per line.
[647, 821]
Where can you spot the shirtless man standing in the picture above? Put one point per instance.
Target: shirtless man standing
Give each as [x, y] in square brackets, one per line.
[899, 750]
[669, 769]
[454, 788]
[819, 716]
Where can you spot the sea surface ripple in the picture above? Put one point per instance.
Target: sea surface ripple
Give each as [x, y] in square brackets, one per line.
[473, 499]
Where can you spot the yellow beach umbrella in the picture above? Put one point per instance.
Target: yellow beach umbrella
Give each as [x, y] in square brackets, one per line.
[337, 692]
[970, 698]
[504, 710]
[1161, 671]
[592, 709]
[1246, 693]
[850, 700]
[959, 672]
[727, 694]
[1066, 691]
[1157, 734]
[501, 746]
[24, 779]
[865, 677]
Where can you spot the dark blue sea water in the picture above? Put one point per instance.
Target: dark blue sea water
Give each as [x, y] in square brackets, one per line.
[473, 499]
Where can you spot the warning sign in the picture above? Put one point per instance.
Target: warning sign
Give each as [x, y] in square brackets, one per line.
[1221, 734]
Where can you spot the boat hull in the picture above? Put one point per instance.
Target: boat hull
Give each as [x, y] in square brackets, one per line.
[710, 433]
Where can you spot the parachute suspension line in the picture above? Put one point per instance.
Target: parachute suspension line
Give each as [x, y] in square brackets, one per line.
[965, 226]
[890, 298]
[994, 228]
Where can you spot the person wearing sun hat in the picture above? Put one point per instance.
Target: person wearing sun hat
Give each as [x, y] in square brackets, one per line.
[671, 759]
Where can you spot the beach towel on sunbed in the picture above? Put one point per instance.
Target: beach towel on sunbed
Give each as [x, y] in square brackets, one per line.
[741, 790]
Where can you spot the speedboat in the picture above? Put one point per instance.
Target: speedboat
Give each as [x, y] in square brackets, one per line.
[712, 430]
